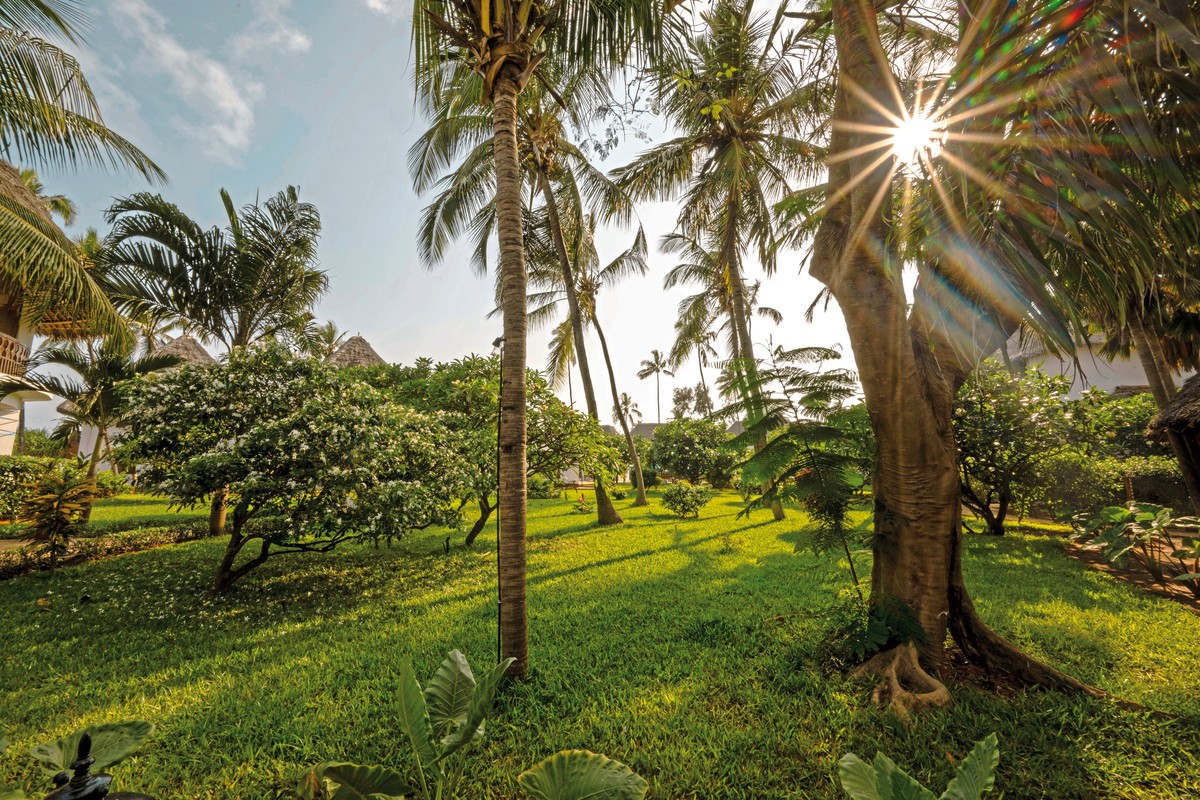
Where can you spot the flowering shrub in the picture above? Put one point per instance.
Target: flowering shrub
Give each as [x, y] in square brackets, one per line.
[291, 438]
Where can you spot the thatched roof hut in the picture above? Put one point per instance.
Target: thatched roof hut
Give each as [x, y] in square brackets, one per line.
[355, 352]
[1182, 414]
[188, 351]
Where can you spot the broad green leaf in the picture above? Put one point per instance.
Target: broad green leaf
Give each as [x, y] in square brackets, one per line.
[357, 782]
[477, 710]
[112, 743]
[582, 775]
[313, 785]
[414, 716]
[894, 783]
[977, 772]
[448, 694]
[1189, 576]
[858, 778]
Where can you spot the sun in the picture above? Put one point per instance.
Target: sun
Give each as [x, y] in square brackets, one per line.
[916, 137]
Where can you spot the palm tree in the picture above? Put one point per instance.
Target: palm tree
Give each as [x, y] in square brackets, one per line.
[657, 365]
[552, 168]
[625, 407]
[320, 341]
[59, 205]
[92, 398]
[50, 117]
[254, 279]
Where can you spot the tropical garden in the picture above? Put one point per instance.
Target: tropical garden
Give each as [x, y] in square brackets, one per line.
[255, 559]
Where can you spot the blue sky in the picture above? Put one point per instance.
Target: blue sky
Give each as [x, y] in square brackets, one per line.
[253, 95]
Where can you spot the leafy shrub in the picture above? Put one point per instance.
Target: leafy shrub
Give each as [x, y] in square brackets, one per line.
[1072, 481]
[1155, 479]
[859, 630]
[539, 487]
[686, 500]
[25, 560]
[16, 472]
[111, 484]
[1151, 535]
[692, 449]
[973, 777]
[650, 477]
[38, 443]
[619, 494]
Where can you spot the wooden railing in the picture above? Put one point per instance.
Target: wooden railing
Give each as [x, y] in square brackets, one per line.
[13, 356]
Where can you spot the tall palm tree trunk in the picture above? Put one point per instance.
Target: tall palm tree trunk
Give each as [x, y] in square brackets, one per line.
[612, 385]
[1162, 387]
[514, 632]
[606, 513]
[94, 468]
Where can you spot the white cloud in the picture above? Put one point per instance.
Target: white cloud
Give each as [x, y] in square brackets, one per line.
[390, 8]
[223, 104]
[271, 30]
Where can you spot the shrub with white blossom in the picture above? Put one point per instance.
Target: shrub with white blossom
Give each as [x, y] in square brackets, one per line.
[292, 440]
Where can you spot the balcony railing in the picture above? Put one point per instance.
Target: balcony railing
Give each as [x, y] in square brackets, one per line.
[13, 356]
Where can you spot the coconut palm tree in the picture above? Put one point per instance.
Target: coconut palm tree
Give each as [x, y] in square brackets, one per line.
[256, 278]
[59, 205]
[627, 408]
[49, 117]
[657, 365]
[91, 395]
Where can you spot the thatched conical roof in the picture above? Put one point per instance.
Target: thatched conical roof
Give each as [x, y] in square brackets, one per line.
[354, 352]
[188, 351]
[1183, 411]
[15, 190]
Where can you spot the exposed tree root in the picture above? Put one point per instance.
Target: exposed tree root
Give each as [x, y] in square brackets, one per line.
[905, 687]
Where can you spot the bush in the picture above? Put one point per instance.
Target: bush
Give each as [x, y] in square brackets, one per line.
[111, 484]
[649, 476]
[692, 449]
[16, 472]
[1157, 480]
[539, 487]
[25, 560]
[686, 500]
[619, 494]
[1072, 481]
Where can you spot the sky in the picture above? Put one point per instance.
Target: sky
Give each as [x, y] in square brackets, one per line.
[256, 95]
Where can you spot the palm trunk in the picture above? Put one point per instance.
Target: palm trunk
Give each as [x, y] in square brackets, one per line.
[1162, 387]
[514, 632]
[606, 513]
[612, 385]
[658, 395]
[94, 469]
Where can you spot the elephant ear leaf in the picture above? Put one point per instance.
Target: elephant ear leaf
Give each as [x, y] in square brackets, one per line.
[977, 772]
[858, 778]
[579, 774]
[356, 782]
[414, 716]
[448, 694]
[314, 785]
[893, 783]
[482, 698]
[112, 743]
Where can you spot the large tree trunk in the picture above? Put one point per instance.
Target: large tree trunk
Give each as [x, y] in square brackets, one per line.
[606, 513]
[1162, 387]
[639, 480]
[94, 469]
[514, 633]
[910, 367]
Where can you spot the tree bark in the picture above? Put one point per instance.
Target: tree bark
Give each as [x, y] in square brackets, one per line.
[606, 513]
[639, 480]
[94, 469]
[217, 510]
[485, 513]
[1162, 387]
[514, 633]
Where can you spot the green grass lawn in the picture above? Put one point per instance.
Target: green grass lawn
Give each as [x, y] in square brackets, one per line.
[125, 512]
[694, 651]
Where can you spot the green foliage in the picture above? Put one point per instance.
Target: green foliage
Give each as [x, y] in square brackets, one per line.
[440, 722]
[859, 629]
[1103, 425]
[26, 560]
[16, 475]
[1152, 535]
[112, 743]
[1071, 481]
[619, 494]
[692, 449]
[38, 443]
[296, 440]
[883, 780]
[686, 500]
[55, 507]
[1005, 426]
[111, 484]
[539, 487]
[579, 775]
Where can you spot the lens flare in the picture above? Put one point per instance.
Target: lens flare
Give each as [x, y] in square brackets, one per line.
[916, 138]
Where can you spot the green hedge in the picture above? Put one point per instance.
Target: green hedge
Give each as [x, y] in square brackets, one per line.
[25, 560]
[1071, 482]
